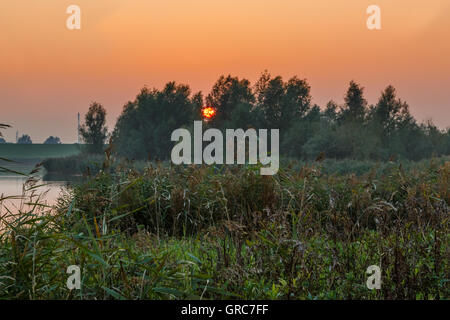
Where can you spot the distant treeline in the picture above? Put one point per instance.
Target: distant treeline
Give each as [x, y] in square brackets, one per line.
[353, 130]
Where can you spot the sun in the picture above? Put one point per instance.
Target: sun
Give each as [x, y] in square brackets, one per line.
[208, 112]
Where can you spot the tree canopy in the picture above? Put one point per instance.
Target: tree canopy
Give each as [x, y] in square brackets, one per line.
[52, 140]
[94, 131]
[25, 139]
[354, 129]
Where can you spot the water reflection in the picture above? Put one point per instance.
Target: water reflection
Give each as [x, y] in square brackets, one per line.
[50, 187]
[13, 186]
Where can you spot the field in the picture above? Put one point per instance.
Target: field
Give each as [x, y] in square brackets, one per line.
[219, 233]
[37, 151]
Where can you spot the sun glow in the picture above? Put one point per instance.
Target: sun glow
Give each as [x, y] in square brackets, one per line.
[208, 112]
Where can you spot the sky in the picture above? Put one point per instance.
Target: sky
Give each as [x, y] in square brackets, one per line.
[49, 73]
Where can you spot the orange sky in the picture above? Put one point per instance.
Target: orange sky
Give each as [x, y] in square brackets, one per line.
[49, 73]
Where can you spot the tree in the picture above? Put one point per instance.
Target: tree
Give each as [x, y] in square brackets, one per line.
[388, 107]
[2, 141]
[351, 134]
[355, 107]
[281, 102]
[269, 97]
[330, 113]
[94, 131]
[297, 99]
[300, 131]
[52, 140]
[352, 130]
[385, 120]
[24, 139]
[144, 128]
[226, 94]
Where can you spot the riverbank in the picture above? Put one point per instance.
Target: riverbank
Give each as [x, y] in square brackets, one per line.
[37, 151]
[91, 164]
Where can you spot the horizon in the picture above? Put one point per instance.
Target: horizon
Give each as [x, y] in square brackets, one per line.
[53, 73]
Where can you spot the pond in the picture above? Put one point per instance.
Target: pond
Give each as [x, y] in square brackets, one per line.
[12, 187]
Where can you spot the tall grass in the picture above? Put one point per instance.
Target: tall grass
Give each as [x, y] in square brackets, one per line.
[216, 232]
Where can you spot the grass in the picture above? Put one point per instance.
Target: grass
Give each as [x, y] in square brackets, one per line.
[37, 151]
[217, 233]
[90, 163]
[74, 165]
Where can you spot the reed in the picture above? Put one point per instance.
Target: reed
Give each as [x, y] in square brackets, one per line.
[202, 232]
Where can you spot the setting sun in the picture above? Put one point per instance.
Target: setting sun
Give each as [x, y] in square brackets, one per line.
[208, 112]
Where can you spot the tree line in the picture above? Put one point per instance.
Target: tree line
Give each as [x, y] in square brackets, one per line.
[26, 139]
[353, 129]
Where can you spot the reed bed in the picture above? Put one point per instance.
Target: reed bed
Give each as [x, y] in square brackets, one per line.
[193, 232]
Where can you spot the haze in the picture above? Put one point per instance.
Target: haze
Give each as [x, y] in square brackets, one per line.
[49, 73]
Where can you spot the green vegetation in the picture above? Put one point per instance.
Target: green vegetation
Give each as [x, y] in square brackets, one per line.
[353, 130]
[352, 137]
[37, 151]
[207, 232]
[150, 230]
[52, 140]
[74, 165]
[84, 164]
[24, 139]
[91, 164]
[94, 130]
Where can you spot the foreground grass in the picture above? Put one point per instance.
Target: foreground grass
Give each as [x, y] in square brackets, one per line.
[216, 233]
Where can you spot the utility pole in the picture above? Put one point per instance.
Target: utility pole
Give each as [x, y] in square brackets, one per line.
[78, 129]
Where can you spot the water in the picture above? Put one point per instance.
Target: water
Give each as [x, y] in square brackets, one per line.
[12, 185]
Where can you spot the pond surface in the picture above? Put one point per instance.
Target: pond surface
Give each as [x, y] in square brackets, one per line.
[12, 187]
